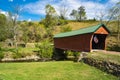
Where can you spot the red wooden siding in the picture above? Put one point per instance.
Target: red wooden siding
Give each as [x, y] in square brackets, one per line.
[75, 43]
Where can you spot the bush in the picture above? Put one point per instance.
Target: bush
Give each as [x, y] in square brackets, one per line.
[45, 49]
[1, 55]
[65, 28]
[74, 54]
[17, 54]
[62, 22]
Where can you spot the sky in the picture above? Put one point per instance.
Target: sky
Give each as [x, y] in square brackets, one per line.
[34, 10]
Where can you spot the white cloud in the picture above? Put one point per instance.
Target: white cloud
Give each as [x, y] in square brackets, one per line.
[15, 16]
[10, 0]
[92, 8]
[114, 1]
[36, 8]
[29, 19]
[4, 12]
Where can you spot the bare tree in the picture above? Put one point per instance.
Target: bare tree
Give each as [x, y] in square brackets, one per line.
[100, 15]
[13, 17]
[63, 10]
[115, 15]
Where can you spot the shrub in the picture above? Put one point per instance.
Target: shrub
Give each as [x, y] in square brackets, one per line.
[73, 54]
[16, 53]
[69, 53]
[65, 28]
[1, 55]
[62, 22]
[45, 49]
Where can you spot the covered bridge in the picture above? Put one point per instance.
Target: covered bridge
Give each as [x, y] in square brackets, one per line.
[85, 39]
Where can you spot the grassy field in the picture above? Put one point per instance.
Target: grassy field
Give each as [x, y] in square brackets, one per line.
[77, 25]
[106, 56]
[63, 70]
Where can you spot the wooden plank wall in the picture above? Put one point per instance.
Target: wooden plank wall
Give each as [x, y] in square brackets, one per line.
[74, 43]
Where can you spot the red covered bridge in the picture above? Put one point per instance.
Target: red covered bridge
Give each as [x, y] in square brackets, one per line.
[84, 39]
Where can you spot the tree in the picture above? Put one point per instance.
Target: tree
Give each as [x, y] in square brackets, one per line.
[25, 29]
[75, 15]
[63, 11]
[51, 19]
[51, 15]
[101, 15]
[3, 28]
[82, 13]
[79, 14]
[45, 49]
[115, 15]
[13, 24]
[32, 31]
[37, 32]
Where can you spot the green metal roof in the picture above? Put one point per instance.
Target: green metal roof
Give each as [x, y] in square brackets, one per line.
[86, 30]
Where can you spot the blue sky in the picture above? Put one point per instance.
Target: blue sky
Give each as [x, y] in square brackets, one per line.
[35, 9]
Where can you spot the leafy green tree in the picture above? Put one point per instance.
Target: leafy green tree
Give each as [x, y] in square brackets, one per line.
[74, 14]
[25, 30]
[51, 19]
[3, 28]
[38, 32]
[51, 16]
[79, 14]
[82, 13]
[32, 31]
[2, 19]
[45, 49]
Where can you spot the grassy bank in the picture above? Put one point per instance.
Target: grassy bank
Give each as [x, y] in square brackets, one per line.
[51, 71]
[106, 56]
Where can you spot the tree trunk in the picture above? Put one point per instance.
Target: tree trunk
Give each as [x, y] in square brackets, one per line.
[15, 41]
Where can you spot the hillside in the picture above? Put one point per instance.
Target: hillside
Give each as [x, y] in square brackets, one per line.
[77, 25]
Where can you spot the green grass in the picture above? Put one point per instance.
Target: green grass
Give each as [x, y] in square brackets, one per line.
[63, 70]
[106, 56]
